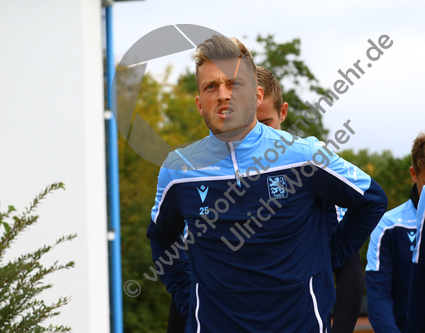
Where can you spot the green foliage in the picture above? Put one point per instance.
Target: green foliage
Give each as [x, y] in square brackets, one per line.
[188, 82]
[171, 111]
[21, 279]
[148, 312]
[283, 60]
[388, 171]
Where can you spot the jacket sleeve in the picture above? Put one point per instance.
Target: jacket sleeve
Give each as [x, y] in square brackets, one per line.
[416, 305]
[379, 274]
[343, 184]
[168, 249]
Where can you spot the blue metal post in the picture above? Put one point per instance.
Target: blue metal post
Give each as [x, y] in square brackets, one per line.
[114, 194]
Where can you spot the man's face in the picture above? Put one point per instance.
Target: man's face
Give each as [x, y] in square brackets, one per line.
[228, 105]
[419, 179]
[268, 115]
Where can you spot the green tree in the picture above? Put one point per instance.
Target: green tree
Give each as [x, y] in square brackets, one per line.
[284, 61]
[21, 280]
[171, 111]
[184, 123]
[388, 171]
[146, 313]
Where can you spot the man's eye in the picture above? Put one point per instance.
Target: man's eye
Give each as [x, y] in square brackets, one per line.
[209, 86]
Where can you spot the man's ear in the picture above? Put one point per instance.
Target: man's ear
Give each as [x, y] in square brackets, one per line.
[198, 105]
[413, 175]
[283, 112]
[260, 95]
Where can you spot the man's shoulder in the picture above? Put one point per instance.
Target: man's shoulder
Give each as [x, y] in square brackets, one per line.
[400, 216]
[197, 160]
[292, 141]
[405, 214]
[181, 156]
[274, 134]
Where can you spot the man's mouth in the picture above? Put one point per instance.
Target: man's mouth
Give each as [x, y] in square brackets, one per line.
[225, 110]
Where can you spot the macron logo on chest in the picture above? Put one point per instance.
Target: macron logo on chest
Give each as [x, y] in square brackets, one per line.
[203, 191]
[412, 236]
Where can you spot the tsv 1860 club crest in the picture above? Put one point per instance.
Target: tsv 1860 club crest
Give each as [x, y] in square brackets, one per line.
[276, 185]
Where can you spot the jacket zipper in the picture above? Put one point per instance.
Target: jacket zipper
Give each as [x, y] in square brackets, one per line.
[235, 162]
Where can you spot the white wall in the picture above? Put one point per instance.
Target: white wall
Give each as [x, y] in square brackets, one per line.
[52, 129]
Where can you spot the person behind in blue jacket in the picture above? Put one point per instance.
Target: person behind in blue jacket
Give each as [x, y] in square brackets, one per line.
[389, 255]
[253, 199]
[416, 305]
[349, 277]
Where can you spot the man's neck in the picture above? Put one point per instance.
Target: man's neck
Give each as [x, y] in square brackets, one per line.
[236, 134]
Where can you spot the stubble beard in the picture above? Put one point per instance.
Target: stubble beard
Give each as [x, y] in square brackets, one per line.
[232, 132]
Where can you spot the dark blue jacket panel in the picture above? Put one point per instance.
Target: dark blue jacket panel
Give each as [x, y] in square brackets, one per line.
[416, 307]
[257, 234]
[388, 268]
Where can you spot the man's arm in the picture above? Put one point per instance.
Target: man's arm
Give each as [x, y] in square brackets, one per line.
[168, 249]
[416, 305]
[379, 274]
[341, 183]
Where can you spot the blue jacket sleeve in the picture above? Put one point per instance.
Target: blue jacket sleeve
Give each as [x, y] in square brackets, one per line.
[168, 249]
[379, 274]
[416, 306]
[341, 183]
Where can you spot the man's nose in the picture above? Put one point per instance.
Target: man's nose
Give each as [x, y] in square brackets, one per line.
[224, 93]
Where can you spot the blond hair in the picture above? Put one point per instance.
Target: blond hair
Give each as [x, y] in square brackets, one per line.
[219, 48]
[271, 87]
[418, 153]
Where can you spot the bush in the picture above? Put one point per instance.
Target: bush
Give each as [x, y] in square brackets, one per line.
[21, 279]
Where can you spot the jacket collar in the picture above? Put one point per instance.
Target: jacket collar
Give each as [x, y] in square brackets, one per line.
[242, 147]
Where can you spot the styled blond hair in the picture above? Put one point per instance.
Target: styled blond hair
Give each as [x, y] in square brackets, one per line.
[418, 153]
[271, 87]
[219, 48]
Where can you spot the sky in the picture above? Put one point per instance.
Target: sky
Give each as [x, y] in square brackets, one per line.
[383, 106]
